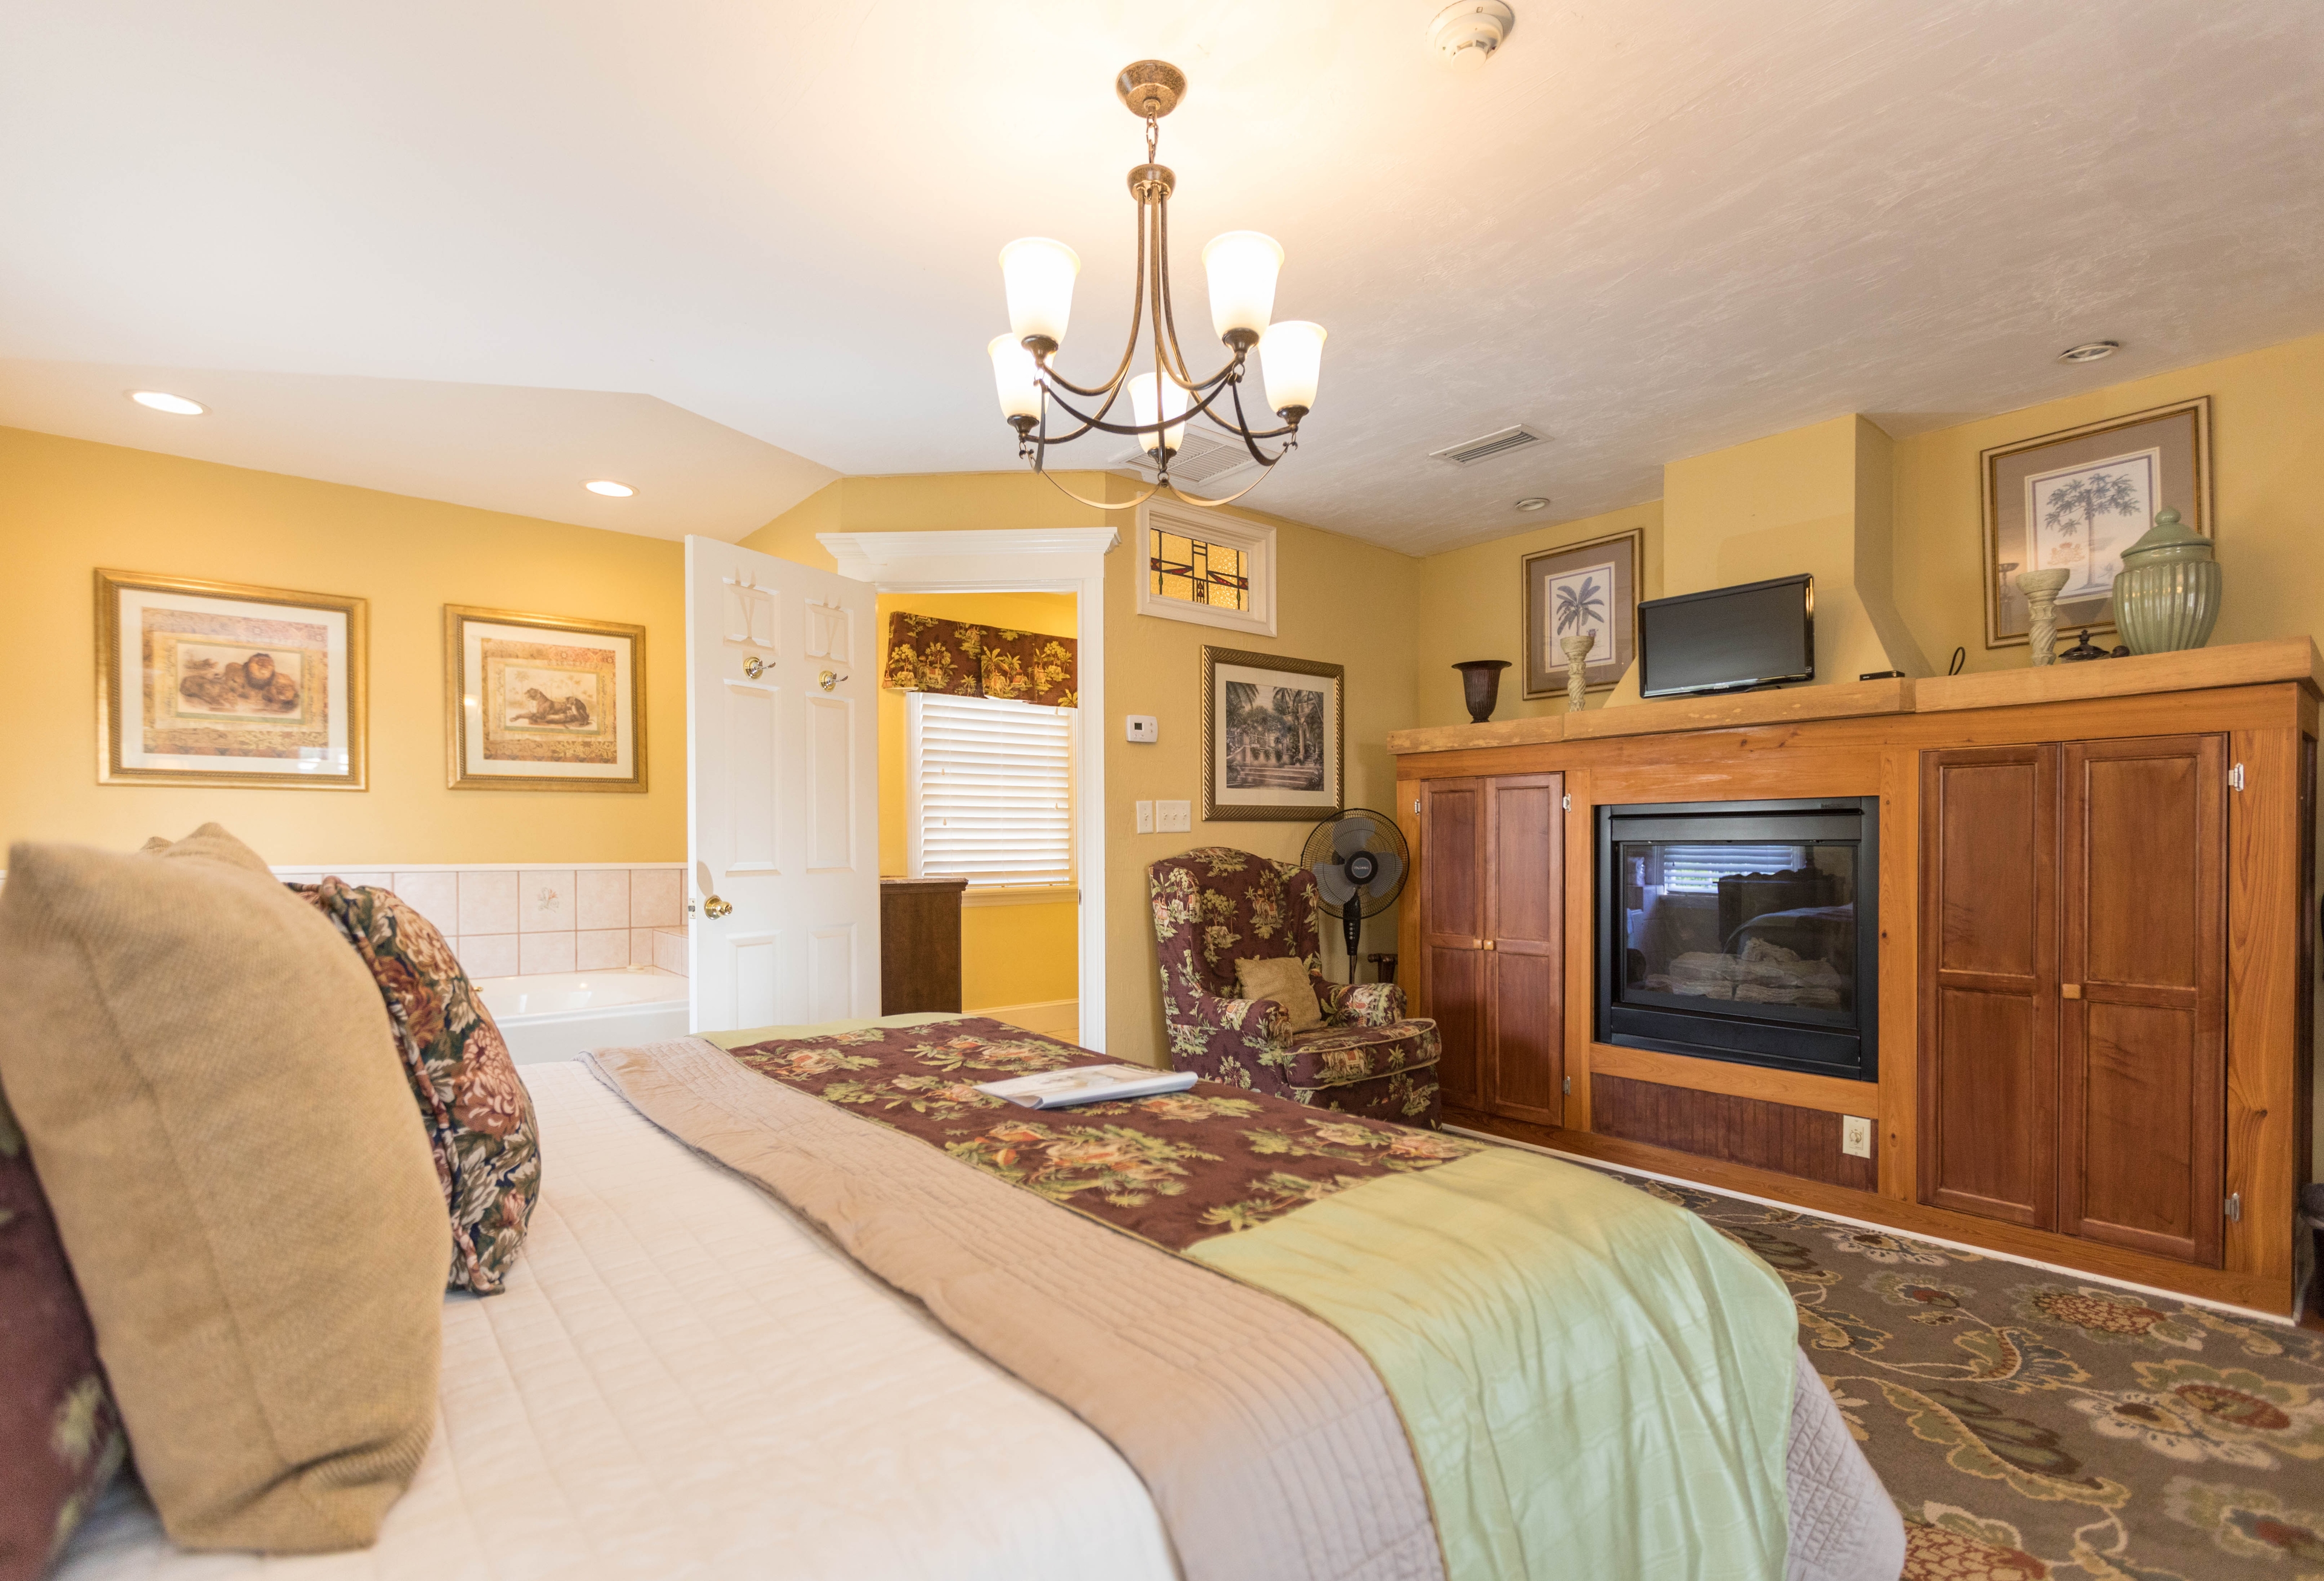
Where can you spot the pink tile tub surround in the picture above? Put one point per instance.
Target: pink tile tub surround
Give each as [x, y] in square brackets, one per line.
[601, 900]
[657, 897]
[505, 921]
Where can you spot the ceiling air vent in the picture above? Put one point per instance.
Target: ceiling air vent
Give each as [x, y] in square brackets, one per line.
[1499, 443]
[1199, 459]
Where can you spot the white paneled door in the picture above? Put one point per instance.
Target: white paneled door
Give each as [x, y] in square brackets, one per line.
[782, 790]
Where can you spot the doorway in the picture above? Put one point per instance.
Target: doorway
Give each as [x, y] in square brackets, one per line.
[912, 570]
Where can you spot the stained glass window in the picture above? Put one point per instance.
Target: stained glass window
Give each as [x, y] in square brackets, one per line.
[1194, 572]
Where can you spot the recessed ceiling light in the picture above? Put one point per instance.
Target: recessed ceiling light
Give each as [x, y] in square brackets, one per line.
[162, 400]
[2091, 351]
[1533, 502]
[609, 488]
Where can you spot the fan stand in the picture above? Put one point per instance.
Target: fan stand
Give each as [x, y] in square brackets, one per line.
[1362, 867]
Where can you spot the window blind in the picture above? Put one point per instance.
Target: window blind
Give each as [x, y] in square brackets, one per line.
[992, 791]
[1697, 869]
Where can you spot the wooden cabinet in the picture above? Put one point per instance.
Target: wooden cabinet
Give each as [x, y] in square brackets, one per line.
[2072, 988]
[919, 945]
[1493, 963]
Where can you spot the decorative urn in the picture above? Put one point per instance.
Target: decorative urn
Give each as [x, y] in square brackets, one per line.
[2166, 597]
[1480, 686]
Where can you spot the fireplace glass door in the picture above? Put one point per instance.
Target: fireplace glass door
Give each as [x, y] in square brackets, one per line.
[1736, 932]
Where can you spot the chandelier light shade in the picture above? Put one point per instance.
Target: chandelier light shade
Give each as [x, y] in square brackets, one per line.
[1039, 274]
[1241, 266]
[1046, 408]
[1151, 399]
[1015, 377]
[1291, 353]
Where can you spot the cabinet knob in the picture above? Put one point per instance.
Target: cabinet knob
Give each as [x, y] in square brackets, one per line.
[2069, 990]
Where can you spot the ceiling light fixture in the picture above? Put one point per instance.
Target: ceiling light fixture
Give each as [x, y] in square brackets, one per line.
[1241, 268]
[609, 488]
[162, 400]
[2090, 351]
[1533, 502]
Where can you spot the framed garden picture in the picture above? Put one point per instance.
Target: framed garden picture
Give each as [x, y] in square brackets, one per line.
[222, 683]
[1590, 587]
[538, 702]
[2078, 498]
[1271, 737]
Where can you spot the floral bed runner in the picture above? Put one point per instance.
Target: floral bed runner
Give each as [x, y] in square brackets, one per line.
[1175, 1170]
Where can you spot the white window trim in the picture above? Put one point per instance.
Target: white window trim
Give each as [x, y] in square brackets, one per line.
[914, 831]
[1254, 539]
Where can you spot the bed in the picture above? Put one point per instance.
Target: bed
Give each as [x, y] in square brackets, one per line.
[684, 1378]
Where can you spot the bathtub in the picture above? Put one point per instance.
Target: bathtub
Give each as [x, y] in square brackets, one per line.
[556, 1016]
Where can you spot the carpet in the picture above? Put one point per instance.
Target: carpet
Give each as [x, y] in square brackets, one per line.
[2033, 1425]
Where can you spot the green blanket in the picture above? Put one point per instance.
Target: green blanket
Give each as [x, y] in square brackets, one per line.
[1485, 1292]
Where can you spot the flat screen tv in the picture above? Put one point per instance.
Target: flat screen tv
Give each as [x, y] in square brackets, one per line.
[1729, 639]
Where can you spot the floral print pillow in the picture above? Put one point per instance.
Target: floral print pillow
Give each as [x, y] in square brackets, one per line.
[478, 1115]
[61, 1438]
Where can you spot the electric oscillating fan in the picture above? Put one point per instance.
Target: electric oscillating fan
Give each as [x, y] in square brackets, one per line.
[1360, 862]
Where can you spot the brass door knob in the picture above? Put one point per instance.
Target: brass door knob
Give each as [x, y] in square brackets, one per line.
[754, 667]
[829, 678]
[713, 908]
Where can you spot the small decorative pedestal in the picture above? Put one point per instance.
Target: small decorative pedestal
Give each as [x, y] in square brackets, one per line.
[2040, 590]
[1577, 649]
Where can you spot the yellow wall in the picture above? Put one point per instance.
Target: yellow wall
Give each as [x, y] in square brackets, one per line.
[1014, 953]
[69, 507]
[2267, 449]
[1471, 605]
[1153, 666]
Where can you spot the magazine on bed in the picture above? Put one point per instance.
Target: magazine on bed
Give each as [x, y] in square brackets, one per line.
[1087, 1084]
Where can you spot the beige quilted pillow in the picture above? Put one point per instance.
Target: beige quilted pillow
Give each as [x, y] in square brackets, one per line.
[1283, 979]
[206, 1076]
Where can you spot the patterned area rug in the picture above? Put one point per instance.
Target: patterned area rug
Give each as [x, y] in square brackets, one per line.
[2033, 1425]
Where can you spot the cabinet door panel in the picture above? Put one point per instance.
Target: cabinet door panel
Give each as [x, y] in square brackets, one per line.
[1988, 981]
[2142, 1065]
[1524, 911]
[1453, 932]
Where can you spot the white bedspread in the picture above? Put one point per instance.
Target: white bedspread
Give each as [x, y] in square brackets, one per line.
[681, 1379]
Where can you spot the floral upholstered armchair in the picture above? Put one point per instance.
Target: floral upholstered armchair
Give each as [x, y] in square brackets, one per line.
[1213, 907]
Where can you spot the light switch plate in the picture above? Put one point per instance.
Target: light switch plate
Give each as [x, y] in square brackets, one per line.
[1856, 1135]
[1174, 818]
[1143, 728]
[1145, 817]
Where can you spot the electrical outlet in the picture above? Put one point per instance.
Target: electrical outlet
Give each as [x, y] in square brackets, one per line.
[1856, 1135]
[1142, 728]
[1145, 817]
[1174, 818]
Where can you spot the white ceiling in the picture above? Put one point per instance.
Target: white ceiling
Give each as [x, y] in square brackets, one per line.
[722, 250]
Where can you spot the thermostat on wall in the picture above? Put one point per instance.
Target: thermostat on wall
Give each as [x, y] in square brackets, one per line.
[1142, 727]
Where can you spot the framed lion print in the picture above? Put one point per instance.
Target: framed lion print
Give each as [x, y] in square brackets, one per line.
[540, 702]
[225, 683]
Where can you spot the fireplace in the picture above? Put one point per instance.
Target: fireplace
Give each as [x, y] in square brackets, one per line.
[1742, 930]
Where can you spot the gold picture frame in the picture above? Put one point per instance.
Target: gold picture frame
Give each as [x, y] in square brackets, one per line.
[1620, 558]
[524, 711]
[2126, 469]
[202, 682]
[1261, 750]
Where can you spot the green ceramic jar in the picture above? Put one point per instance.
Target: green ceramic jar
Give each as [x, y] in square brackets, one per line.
[2167, 595]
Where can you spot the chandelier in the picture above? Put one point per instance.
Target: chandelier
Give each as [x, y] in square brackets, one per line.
[1241, 266]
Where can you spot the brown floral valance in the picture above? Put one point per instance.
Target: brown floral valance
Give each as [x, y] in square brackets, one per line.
[932, 655]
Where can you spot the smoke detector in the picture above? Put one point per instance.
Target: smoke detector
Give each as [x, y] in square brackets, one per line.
[1468, 33]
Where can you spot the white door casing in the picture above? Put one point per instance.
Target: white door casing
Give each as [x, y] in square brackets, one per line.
[1045, 559]
[782, 809]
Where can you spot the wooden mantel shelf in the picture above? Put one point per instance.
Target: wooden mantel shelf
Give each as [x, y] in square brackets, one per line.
[2291, 658]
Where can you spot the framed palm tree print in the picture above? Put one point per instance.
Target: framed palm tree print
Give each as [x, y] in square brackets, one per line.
[1590, 587]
